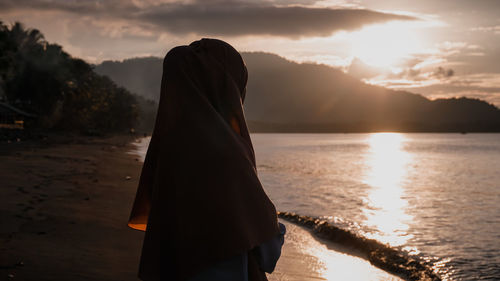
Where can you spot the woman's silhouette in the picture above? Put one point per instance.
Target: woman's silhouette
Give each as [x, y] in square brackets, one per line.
[199, 199]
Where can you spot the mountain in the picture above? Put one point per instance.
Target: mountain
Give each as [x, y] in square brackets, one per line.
[286, 96]
[138, 75]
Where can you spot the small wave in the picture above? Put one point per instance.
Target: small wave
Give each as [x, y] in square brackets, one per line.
[380, 255]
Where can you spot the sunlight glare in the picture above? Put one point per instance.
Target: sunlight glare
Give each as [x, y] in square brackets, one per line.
[325, 263]
[385, 45]
[385, 209]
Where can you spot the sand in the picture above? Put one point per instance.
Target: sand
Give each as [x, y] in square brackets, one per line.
[307, 258]
[64, 210]
[65, 205]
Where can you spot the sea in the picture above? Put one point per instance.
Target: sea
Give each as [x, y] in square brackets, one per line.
[433, 196]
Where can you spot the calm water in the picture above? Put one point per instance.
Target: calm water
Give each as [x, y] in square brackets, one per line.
[433, 195]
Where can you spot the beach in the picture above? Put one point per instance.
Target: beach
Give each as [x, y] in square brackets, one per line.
[65, 207]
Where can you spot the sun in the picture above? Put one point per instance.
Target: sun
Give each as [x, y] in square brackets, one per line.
[385, 45]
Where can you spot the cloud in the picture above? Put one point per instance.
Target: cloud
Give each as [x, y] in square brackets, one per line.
[442, 73]
[485, 86]
[430, 67]
[263, 20]
[495, 29]
[218, 18]
[361, 70]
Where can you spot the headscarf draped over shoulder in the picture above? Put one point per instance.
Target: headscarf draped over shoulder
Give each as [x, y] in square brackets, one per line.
[199, 198]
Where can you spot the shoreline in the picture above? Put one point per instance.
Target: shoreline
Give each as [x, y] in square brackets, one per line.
[65, 211]
[305, 256]
[378, 254]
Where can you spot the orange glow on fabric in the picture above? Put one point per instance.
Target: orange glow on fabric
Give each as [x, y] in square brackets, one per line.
[235, 125]
[138, 226]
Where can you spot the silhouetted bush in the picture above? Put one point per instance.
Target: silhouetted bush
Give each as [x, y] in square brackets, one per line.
[64, 92]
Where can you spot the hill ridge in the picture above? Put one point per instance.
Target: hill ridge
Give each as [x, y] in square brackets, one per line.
[283, 95]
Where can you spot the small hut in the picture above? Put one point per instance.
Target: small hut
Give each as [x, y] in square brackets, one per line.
[11, 117]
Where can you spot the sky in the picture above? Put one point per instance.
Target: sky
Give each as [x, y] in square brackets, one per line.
[440, 49]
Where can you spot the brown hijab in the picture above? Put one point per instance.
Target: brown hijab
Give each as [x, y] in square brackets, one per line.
[199, 198]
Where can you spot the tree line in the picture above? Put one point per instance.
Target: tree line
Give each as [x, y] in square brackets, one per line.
[62, 91]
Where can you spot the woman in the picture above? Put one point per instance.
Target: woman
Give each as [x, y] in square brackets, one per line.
[199, 199]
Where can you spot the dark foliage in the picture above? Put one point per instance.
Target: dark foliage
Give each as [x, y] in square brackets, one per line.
[64, 92]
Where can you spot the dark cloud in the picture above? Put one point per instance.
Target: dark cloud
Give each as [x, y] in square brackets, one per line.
[442, 73]
[442, 6]
[212, 18]
[110, 8]
[262, 20]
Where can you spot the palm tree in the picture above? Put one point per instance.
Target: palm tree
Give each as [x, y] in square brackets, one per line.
[26, 38]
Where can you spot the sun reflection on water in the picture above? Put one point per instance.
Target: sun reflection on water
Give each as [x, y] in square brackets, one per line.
[385, 206]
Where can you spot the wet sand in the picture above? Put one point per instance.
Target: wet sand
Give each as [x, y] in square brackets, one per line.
[65, 206]
[307, 258]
